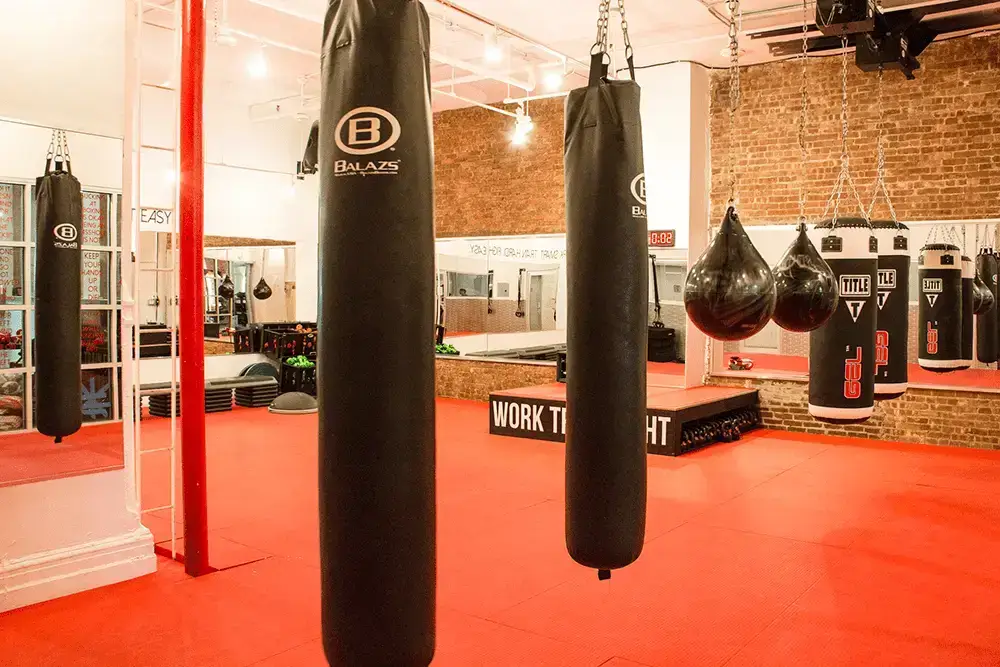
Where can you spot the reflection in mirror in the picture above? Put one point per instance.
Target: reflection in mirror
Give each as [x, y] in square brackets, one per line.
[778, 353]
[27, 456]
[503, 297]
[232, 273]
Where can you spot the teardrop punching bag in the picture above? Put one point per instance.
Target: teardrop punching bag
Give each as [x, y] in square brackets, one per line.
[606, 244]
[982, 299]
[893, 319]
[842, 351]
[805, 287]
[262, 291]
[59, 210]
[376, 363]
[729, 292]
[227, 289]
[968, 296]
[940, 320]
[987, 342]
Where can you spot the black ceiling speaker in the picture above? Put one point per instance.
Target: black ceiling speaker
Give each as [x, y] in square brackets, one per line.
[845, 17]
[262, 291]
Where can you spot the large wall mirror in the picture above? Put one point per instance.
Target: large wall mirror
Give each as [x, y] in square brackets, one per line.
[233, 268]
[504, 297]
[783, 354]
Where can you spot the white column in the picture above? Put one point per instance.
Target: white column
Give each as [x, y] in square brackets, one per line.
[675, 126]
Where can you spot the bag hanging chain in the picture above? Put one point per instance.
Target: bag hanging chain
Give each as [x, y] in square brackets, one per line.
[628, 43]
[803, 112]
[601, 42]
[733, 6]
[845, 160]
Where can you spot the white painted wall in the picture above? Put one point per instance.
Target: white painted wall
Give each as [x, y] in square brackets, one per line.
[666, 108]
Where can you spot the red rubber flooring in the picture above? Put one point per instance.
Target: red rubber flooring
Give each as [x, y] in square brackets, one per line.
[773, 551]
[33, 457]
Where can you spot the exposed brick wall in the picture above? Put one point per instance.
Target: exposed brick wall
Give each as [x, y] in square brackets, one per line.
[474, 380]
[484, 186]
[962, 419]
[943, 157]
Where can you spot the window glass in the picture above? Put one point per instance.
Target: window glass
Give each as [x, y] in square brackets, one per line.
[95, 278]
[468, 284]
[11, 401]
[11, 212]
[11, 275]
[11, 339]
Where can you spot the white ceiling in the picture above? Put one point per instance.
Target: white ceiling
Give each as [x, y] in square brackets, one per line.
[660, 30]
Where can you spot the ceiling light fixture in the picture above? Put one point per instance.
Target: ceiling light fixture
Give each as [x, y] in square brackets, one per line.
[257, 65]
[553, 80]
[523, 125]
[492, 50]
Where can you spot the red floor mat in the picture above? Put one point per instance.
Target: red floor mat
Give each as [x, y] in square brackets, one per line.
[777, 550]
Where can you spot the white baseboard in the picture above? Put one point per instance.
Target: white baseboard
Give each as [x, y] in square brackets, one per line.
[52, 574]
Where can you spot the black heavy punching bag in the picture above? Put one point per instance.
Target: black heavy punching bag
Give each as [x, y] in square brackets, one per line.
[968, 301]
[842, 351]
[987, 342]
[893, 320]
[606, 252]
[805, 286]
[940, 320]
[376, 363]
[729, 292]
[59, 211]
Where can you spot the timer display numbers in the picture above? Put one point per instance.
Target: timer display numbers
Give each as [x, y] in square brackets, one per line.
[662, 239]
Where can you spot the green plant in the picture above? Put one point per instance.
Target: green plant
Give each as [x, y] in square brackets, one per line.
[301, 361]
[445, 348]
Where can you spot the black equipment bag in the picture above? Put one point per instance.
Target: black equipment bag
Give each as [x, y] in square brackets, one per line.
[376, 361]
[58, 380]
[607, 253]
[987, 341]
[940, 321]
[892, 335]
[842, 351]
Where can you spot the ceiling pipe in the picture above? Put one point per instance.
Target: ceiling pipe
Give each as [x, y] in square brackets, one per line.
[532, 98]
[472, 68]
[476, 103]
[458, 9]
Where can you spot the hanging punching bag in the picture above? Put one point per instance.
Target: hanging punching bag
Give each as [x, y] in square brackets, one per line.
[987, 342]
[227, 289]
[805, 287]
[376, 364]
[842, 351]
[262, 291]
[606, 253]
[940, 321]
[58, 381]
[968, 298]
[893, 318]
[729, 292]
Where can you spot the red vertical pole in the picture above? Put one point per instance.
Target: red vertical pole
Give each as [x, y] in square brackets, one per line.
[192, 306]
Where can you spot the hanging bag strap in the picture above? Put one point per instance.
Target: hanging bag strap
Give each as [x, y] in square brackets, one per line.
[600, 59]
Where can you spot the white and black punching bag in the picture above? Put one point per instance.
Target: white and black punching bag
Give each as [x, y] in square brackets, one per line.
[58, 381]
[842, 351]
[376, 354]
[987, 340]
[606, 271]
[892, 323]
[940, 321]
[968, 299]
